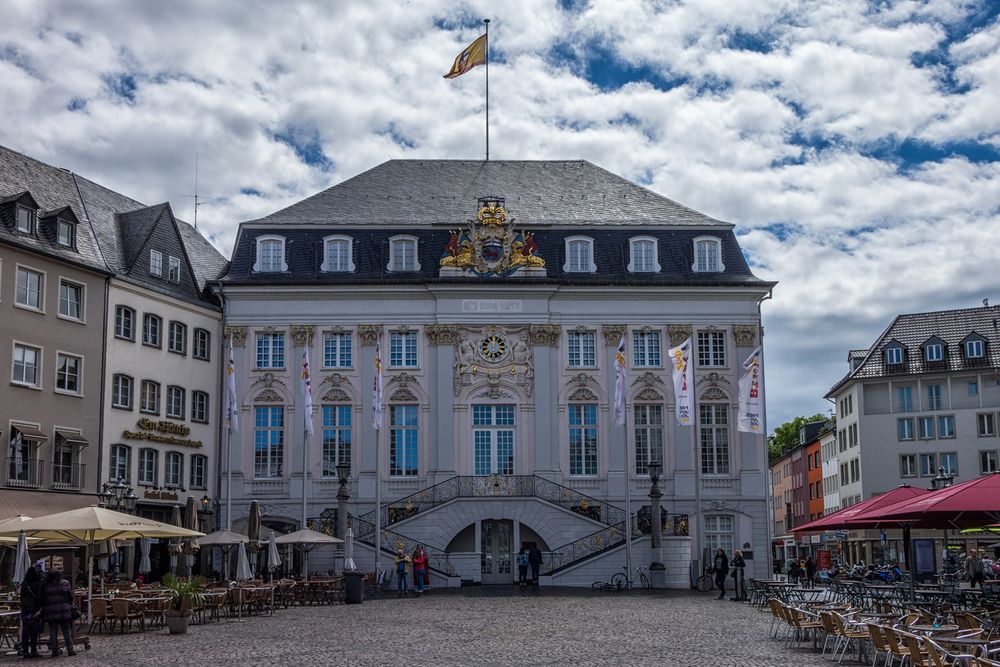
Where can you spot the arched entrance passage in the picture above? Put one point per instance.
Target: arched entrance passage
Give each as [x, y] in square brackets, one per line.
[496, 541]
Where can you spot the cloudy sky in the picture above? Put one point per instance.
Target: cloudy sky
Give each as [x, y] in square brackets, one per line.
[855, 144]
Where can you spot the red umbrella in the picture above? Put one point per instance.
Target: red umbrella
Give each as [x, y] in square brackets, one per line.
[844, 518]
[966, 505]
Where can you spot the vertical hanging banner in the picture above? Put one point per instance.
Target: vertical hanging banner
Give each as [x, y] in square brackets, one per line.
[751, 419]
[683, 376]
[620, 383]
[377, 392]
[307, 392]
[231, 408]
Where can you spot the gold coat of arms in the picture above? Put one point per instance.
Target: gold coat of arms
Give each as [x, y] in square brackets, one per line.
[491, 245]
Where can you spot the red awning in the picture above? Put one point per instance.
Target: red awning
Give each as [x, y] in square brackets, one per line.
[844, 518]
[966, 505]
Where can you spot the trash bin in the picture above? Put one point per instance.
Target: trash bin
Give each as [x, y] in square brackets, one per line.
[354, 587]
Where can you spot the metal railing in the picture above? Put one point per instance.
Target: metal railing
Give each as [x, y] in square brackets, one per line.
[498, 486]
[391, 541]
[24, 472]
[608, 538]
[68, 476]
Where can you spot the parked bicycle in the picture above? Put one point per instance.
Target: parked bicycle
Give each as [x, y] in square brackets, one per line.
[619, 581]
[706, 582]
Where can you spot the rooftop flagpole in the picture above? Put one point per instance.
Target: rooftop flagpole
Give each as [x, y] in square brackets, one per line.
[487, 22]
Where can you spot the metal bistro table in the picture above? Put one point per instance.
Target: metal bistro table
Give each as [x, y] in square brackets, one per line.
[805, 594]
[10, 628]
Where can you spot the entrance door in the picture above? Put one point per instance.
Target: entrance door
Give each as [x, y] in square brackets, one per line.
[497, 552]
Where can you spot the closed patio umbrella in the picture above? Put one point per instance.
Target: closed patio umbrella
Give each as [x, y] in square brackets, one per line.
[253, 525]
[22, 561]
[243, 573]
[145, 566]
[349, 565]
[273, 562]
[307, 541]
[174, 548]
[191, 545]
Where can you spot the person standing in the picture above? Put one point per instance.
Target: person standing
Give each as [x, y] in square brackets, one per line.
[419, 568]
[58, 612]
[402, 564]
[535, 561]
[720, 566]
[32, 604]
[738, 584]
[522, 566]
[975, 570]
[810, 572]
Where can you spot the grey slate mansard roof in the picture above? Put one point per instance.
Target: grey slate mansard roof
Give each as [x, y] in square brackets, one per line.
[112, 228]
[427, 198]
[914, 329]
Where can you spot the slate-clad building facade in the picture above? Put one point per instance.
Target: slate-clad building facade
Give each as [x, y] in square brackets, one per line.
[76, 286]
[496, 294]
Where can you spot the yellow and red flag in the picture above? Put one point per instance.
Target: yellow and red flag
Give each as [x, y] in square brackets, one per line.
[474, 54]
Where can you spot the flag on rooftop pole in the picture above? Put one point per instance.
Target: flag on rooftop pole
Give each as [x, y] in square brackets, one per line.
[307, 392]
[683, 376]
[751, 419]
[473, 55]
[231, 410]
[377, 392]
[620, 382]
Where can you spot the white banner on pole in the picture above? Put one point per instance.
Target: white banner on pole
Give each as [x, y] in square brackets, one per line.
[683, 376]
[751, 419]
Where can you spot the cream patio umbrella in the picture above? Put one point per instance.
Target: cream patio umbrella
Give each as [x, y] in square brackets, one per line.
[89, 525]
[307, 541]
[243, 573]
[225, 540]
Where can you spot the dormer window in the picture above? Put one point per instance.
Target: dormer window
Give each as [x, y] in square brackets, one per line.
[643, 255]
[973, 349]
[173, 269]
[894, 356]
[65, 233]
[338, 255]
[155, 263]
[403, 254]
[708, 255]
[270, 255]
[580, 255]
[25, 219]
[934, 352]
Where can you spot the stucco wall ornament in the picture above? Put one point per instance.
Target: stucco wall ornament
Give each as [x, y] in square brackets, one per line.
[613, 333]
[583, 394]
[442, 334]
[720, 505]
[493, 353]
[678, 333]
[713, 394]
[649, 394]
[336, 395]
[491, 245]
[302, 334]
[268, 396]
[369, 333]
[403, 394]
[543, 334]
[239, 335]
[745, 334]
[649, 379]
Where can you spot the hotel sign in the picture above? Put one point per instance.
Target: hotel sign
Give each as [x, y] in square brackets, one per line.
[162, 431]
[151, 494]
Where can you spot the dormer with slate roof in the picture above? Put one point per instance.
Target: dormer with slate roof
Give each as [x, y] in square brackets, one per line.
[934, 353]
[19, 212]
[896, 356]
[974, 349]
[59, 226]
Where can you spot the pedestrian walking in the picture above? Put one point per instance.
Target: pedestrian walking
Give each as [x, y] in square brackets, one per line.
[739, 585]
[402, 564]
[535, 561]
[720, 566]
[32, 604]
[58, 612]
[793, 571]
[522, 566]
[810, 572]
[974, 568]
[419, 569]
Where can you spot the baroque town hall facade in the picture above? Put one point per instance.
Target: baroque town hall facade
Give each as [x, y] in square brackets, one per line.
[496, 293]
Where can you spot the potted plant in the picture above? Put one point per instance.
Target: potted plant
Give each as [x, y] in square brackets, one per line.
[185, 594]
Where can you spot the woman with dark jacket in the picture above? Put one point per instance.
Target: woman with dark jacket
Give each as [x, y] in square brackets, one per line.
[58, 598]
[720, 566]
[739, 584]
[31, 607]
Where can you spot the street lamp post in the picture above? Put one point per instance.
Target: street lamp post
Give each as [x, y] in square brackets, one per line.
[343, 495]
[205, 514]
[941, 481]
[119, 497]
[657, 571]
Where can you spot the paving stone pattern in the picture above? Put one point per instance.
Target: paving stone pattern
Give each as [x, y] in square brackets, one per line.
[476, 626]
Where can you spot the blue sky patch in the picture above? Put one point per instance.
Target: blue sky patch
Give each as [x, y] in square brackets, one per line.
[76, 104]
[398, 138]
[251, 192]
[121, 85]
[601, 66]
[306, 145]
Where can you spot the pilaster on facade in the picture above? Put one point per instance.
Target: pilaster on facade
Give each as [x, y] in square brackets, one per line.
[238, 334]
[302, 334]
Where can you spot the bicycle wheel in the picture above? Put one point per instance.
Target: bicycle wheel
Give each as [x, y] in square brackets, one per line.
[705, 583]
[618, 581]
[644, 580]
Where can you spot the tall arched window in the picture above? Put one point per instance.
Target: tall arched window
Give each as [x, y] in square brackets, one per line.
[269, 441]
[580, 255]
[713, 431]
[338, 255]
[708, 255]
[643, 255]
[403, 254]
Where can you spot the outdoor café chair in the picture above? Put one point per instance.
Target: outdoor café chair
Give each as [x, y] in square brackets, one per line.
[127, 611]
[897, 647]
[100, 614]
[876, 634]
[941, 657]
[847, 632]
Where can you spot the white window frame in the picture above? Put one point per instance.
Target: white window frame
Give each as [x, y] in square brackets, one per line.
[71, 226]
[269, 352]
[986, 424]
[408, 358]
[942, 422]
[282, 265]
[396, 240]
[199, 462]
[716, 535]
[333, 267]
[148, 317]
[908, 433]
[648, 436]
[938, 355]
[175, 411]
[974, 349]
[40, 308]
[893, 356]
[153, 480]
[182, 328]
[338, 340]
[119, 310]
[577, 265]
[39, 356]
[32, 219]
[196, 347]
[717, 243]
[336, 436]
[116, 394]
[633, 266]
[115, 463]
[81, 304]
[173, 269]
[173, 470]
[491, 435]
[716, 455]
[79, 374]
[583, 450]
[398, 448]
[711, 357]
[576, 349]
[641, 349]
[991, 457]
[199, 414]
[142, 397]
[156, 263]
[908, 465]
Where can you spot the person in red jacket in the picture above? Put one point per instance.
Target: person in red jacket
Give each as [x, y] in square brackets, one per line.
[419, 560]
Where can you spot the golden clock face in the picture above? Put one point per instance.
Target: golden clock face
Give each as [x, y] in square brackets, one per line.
[493, 347]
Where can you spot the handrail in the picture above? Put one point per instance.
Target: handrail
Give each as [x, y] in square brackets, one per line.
[498, 486]
[608, 538]
[437, 558]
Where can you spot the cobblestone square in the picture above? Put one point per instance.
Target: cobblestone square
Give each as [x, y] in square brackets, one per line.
[476, 626]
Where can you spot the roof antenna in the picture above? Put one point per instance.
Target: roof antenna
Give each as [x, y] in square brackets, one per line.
[195, 195]
[986, 303]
